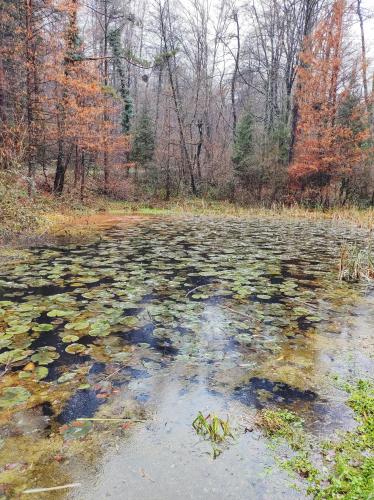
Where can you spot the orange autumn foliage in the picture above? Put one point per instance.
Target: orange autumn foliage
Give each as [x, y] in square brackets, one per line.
[326, 148]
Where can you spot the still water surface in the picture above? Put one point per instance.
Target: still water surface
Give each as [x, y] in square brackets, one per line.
[157, 321]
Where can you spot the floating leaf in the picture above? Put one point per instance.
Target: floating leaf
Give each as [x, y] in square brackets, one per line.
[69, 338]
[59, 313]
[77, 325]
[76, 430]
[66, 377]
[100, 328]
[17, 329]
[75, 348]
[130, 321]
[83, 387]
[314, 319]
[43, 327]
[45, 356]
[12, 396]
[8, 357]
[40, 372]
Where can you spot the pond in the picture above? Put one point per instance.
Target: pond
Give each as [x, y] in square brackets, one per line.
[152, 323]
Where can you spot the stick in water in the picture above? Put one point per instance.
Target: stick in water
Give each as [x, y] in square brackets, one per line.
[52, 488]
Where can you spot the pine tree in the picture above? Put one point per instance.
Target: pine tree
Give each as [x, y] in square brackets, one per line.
[117, 50]
[243, 150]
[144, 141]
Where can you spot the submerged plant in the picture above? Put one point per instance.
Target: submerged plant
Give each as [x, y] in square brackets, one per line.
[356, 263]
[214, 429]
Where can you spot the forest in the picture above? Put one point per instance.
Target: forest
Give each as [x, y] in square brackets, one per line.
[186, 249]
[261, 103]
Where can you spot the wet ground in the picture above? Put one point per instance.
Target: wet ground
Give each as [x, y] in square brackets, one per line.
[151, 324]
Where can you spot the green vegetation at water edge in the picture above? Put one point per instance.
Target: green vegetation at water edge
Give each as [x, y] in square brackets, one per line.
[348, 462]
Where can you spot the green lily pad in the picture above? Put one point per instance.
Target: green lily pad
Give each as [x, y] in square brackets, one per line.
[75, 348]
[45, 356]
[17, 329]
[13, 396]
[77, 430]
[40, 372]
[130, 321]
[100, 328]
[314, 318]
[77, 325]
[43, 327]
[67, 339]
[8, 357]
[66, 377]
[83, 387]
[59, 313]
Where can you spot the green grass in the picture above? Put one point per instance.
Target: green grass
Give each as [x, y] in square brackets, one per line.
[213, 429]
[348, 462]
[280, 423]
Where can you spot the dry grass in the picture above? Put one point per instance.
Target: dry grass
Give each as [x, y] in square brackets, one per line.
[47, 215]
[356, 264]
[363, 218]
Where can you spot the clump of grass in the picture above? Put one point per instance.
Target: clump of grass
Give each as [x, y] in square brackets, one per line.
[214, 429]
[356, 263]
[301, 465]
[279, 423]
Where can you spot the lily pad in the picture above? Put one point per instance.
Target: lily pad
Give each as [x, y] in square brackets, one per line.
[8, 357]
[17, 329]
[67, 339]
[76, 430]
[77, 325]
[40, 372]
[60, 313]
[45, 356]
[43, 327]
[66, 377]
[75, 348]
[130, 321]
[13, 396]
